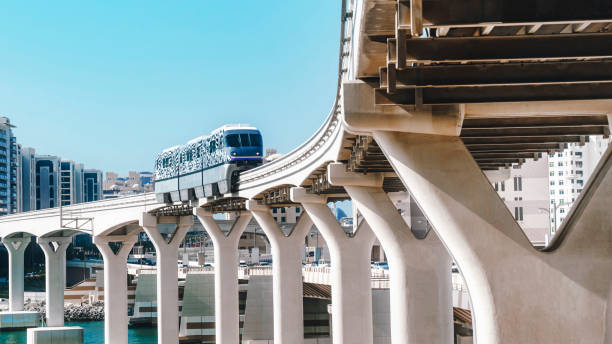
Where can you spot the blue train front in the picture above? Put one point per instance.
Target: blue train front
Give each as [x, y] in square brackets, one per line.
[207, 166]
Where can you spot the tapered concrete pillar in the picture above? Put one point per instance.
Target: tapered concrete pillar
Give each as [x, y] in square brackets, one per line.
[55, 277]
[420, 270]
[166, 254]
[519, 295]
[227, 316]
[287, 273]
[351, 271]
[115, 286]
[16, 247]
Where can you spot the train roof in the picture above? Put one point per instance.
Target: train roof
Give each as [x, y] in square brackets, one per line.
[237, 126]
[171, 149]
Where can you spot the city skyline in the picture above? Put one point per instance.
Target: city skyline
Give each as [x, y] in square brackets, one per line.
[75, 86]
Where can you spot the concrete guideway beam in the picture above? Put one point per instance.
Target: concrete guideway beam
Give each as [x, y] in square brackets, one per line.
[362, 115]
[420, 276]
[286, 273]
[55, 277]
[115, 286]
[227, 316]
[16, 247]
[167, 271]
[350, 264]
[519, 295]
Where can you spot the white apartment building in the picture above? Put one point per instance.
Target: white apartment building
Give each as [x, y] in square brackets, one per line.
[9, 163]
[287, 214]
[569, 172]
[71, 182]
[526, 195]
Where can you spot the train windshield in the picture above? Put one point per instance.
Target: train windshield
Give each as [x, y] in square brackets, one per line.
[255, 140]
[233, 140]
[243, 140]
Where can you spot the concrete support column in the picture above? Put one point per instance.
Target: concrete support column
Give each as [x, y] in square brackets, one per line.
[16, 247]
[227, 316]
[55, 277]
[166, 252]
[115, 286]
[351, 271]
[287, 274]
[420, 270]
[561, 295]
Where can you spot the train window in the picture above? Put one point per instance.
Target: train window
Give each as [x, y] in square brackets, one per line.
[244, 140]
[189, 155]
[233, 140]
[213, 146]
[255, 139]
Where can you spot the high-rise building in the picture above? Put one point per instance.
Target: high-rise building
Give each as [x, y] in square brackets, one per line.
[47, 181]
[9, 154]
[569, 172]
[71, 182]
[28, 179]
[92, 190]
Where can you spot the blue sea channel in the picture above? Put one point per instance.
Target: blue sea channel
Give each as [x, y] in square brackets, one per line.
[93, 332]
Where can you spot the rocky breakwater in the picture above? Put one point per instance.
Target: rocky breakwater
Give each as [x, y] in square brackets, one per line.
[83, 312]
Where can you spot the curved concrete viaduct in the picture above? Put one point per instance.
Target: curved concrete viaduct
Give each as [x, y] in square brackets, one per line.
[427, 102]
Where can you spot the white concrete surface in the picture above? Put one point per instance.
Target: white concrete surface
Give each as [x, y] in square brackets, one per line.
[167, 272]
[115, 287]
[55, 335]
[419, 270]
[519, 295]
[15, 247]
[287, 273]
[55, 277]
[226, 273]
[351, 270]
[19, 319]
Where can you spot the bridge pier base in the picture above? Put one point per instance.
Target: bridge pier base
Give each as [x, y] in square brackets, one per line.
[227, 316]
[287, 273]
[115, 287]
[55, 277]
[351, 284]
[167, 270]
[519, 295]
[419, 269]
[16, 247]
[54, 335]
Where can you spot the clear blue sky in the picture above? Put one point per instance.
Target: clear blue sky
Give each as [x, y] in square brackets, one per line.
[112, 83]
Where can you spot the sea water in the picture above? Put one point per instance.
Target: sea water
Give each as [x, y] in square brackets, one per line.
[93, 333]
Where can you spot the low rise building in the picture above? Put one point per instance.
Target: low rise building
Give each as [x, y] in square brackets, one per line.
[135, 183]
[525, 193]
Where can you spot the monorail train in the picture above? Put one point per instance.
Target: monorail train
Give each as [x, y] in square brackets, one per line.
[208, 165]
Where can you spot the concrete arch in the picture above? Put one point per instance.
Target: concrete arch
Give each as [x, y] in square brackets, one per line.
[118, 227]
[15, 234]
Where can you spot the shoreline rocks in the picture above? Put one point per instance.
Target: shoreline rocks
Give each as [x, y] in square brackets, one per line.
[72, 312]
